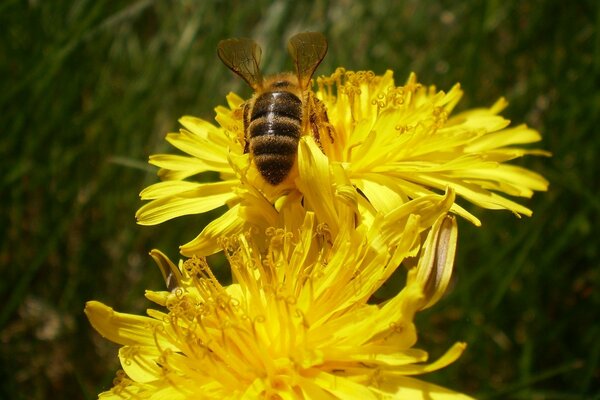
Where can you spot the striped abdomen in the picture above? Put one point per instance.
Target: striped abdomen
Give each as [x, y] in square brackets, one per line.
[273, 131]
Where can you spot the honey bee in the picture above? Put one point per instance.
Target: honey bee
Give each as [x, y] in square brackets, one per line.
[283, 107]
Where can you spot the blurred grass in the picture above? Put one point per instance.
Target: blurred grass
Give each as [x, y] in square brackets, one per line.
[89, 90]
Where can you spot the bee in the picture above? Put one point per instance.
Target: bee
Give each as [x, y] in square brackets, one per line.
[283, 106]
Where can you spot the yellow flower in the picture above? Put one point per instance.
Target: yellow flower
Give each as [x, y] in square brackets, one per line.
[399, 143]
[297, 323]
[391, 144]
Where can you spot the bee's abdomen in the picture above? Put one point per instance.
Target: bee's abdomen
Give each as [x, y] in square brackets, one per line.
[274, 131]
[284, 104]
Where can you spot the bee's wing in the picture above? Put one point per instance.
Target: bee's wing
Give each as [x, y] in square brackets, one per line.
[242, 56]
[308, 50]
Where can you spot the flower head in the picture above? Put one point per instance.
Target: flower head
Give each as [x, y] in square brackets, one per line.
[398, 143]
[384, 145]
[296, 324]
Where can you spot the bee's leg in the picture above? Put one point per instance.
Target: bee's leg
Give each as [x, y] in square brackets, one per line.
[314, 125]
[319, 120]
[246, 125]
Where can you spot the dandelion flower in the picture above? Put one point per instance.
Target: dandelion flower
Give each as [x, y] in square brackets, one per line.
[399, 143]
[391, 144]
[296, 324]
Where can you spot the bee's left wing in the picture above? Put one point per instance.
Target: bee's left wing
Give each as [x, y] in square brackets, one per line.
[308, 50]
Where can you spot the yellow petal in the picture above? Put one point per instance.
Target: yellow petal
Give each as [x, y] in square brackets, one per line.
[207, 242]
[382, 197]
[121, 328]
[381, 355]
[473, 193]
[168, 188]
[315, 181]
[139, 362]
[429, 208]
[520, 134]
[259, 211]
[201, 149]
[405, 388]
[451, 355]
[234, 101]
[205, 130]
[510, 179]
[204, 197]
[176, 167]
[343, 388]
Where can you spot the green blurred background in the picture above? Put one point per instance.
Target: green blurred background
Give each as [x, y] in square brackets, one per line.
[89, 90]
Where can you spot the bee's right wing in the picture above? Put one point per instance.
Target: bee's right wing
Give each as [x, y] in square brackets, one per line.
[242, 56]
